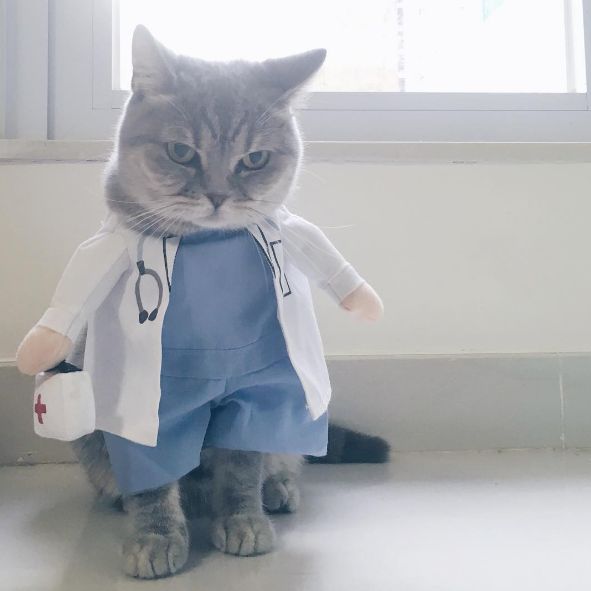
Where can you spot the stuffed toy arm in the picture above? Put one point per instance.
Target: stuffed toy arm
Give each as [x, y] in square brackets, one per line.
[316, 257]
[88, 278]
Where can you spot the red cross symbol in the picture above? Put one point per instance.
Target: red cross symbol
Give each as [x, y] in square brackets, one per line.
[40, 409]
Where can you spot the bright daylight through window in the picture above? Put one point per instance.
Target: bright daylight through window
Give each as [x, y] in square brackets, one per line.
[485, 46]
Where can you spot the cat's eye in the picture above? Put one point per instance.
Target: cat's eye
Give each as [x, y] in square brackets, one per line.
[255, 160]
[180, 153]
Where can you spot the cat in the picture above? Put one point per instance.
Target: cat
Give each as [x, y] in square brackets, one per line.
[221, 106]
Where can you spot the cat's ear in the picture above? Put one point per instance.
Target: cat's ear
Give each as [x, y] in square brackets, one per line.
[152, 63]
[290, 74]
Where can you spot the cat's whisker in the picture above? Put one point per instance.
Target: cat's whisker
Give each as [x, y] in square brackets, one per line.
[111, 200]
[154, 227]
[149, 226]
[249, 211]
[286, 230]
[343, 227]
[171, 223]
[314, 174]
[143, 217]
[140, 225]
[267, 111]
[149, 210]
[256, 200]
[150, 221]
[176, 107]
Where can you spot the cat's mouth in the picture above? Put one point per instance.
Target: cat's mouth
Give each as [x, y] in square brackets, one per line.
[231, 217]
[181, 214]
[231, 213]
[222, 217]
[217, 219]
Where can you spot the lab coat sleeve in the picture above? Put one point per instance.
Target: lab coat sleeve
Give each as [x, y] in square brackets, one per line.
[91, 274]
[314, 254]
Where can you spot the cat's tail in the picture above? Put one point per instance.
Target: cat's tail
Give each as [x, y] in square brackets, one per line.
[347, 446]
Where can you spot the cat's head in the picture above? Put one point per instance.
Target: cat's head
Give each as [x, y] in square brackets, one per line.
[205, 144]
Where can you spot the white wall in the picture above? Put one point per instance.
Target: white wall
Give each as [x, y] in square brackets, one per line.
[468, 258]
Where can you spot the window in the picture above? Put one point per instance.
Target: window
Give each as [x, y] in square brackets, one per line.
[398, 70]
[380, 45]
[361, 36]
[519, 46]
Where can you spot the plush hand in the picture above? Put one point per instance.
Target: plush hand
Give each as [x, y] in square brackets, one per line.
[364, 302]
[42, 349]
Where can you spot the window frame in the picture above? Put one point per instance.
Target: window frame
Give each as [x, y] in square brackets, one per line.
[81, 103]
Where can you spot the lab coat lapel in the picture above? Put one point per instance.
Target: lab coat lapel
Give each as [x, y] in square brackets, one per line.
[269, 239]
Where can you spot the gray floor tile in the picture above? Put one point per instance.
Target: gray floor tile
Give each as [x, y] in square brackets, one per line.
[428, 522]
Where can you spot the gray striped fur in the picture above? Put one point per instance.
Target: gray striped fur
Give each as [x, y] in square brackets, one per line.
[223, 111]
[233, 488]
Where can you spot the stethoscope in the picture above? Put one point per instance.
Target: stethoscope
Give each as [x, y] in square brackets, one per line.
[144, 272]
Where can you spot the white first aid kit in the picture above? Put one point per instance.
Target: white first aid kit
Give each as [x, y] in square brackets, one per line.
[63, 403]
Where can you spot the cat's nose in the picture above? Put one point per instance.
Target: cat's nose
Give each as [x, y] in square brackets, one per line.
[217, 198]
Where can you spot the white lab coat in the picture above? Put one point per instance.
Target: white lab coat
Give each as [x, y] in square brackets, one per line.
[123, 356]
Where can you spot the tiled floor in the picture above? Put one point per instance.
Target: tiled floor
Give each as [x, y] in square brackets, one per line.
[427, 522]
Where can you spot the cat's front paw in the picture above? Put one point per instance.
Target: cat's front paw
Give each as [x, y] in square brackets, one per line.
[243, 535]
[281, 495]
[151, 555]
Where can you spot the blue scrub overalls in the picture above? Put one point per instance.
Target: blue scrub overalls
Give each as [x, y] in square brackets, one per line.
[226, 379]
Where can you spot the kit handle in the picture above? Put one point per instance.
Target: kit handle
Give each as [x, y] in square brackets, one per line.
[64, 367]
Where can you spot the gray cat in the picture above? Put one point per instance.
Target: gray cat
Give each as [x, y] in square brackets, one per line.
[222, 107]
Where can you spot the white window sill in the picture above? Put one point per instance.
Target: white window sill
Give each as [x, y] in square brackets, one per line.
[46, 151]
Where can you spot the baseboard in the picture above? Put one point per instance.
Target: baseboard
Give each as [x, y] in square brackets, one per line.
[417, 403]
